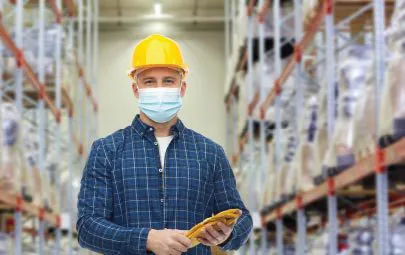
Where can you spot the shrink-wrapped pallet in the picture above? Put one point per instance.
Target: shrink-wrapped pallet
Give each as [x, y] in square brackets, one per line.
[10, 175]
[270, 180]
[352, 72]
[364, 127]
[321, 137]
[31, 149]
[285, 160]
[306, 154]
[290, 186]
[392, 109]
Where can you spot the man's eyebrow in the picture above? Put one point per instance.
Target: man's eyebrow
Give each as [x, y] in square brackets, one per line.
[170, 77]
[148, 77]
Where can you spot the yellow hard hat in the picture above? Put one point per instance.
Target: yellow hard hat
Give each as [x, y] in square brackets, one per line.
[157, 51]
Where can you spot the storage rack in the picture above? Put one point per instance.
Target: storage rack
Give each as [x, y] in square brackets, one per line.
[330, 17]
[65, 132]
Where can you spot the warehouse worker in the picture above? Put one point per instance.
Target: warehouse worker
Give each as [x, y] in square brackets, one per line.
[145, 185]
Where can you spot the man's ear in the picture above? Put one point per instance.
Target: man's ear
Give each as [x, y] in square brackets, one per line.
[183, 88]
[135, 90]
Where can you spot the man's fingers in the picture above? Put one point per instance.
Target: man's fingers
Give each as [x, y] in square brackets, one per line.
[214, 233]
[186, 242]
[209, 237]
[224, 228]
[204, 241]
[178, 246]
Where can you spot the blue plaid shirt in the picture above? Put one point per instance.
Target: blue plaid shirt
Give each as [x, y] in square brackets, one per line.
[124, 193]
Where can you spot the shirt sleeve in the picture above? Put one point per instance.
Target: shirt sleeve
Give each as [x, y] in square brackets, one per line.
[226, 196]
[95, 229]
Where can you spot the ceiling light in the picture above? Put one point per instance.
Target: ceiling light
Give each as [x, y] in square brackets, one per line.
[158, 8]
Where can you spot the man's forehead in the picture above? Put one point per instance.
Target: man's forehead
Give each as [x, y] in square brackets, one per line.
[158, 72]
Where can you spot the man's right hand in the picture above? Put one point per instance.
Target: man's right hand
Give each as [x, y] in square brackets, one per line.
[167, 242]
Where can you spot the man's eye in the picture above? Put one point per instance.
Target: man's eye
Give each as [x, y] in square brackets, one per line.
[169, 81]
[148, 82]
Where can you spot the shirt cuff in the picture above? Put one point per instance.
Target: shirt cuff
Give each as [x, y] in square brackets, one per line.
[227, 244]
[137, 241]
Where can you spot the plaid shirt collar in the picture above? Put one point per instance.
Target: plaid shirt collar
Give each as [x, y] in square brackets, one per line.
[143, 129]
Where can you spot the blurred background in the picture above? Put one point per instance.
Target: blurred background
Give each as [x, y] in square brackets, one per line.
[306, 97]
[63, 68]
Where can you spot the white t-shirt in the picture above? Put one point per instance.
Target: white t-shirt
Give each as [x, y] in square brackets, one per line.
[163, 144]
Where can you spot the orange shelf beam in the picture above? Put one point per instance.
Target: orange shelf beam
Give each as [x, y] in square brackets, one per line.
[33, 210]
[9, 43]
[359, 171]
[263, 11]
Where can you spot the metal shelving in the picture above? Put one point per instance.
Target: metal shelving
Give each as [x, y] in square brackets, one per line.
[362, 169]
[45, 97]
[330, 20]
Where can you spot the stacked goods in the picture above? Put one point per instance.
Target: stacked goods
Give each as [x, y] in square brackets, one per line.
[353, 72]
[392, 111]
[307, 157]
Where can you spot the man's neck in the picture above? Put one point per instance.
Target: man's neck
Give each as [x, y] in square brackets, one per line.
[161, 129]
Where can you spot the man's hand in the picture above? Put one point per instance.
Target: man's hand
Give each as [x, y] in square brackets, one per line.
[167, 242]
[212, 237]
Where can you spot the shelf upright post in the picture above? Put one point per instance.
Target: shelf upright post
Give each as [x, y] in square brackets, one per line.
[19, 104]
[277, 59]
[381, 176]
[88, 106]
[331, 80]
[70, 186]
[80, 110]
[227, 70]
[263, 143]
[227, 35]
[1, 83]
[235, 121]
[80, 95]
[95, 67]
[71, 150]
[302, 223]
[41, 115]
[299, 104]
[233, 44]
[58, 101]
[250, 152]
[228, 131]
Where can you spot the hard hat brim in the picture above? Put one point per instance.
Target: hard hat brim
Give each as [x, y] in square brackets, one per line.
[182, 69]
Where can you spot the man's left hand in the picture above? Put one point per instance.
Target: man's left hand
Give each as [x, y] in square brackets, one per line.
[212, 237]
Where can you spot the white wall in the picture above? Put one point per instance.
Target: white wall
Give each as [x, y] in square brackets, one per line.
[203, 108]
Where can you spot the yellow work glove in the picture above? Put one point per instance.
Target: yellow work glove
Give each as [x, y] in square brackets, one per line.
[228, 217]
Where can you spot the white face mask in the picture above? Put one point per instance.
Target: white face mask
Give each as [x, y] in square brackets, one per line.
[160, 104]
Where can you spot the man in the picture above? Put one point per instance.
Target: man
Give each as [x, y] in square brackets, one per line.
[145, 185]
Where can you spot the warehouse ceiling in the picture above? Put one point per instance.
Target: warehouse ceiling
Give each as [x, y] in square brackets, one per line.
[204, 14]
